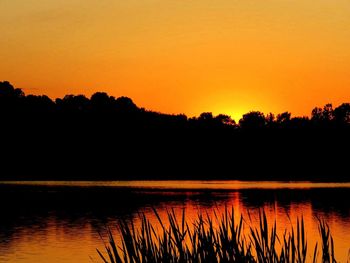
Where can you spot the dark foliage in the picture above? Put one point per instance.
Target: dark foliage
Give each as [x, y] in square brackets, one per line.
[103, 137]
[218, 238]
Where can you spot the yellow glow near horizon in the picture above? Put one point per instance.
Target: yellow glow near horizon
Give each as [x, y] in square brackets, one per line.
[182, 56]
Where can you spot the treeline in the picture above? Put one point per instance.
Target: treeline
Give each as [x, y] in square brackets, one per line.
[104, 137]
[108, 110]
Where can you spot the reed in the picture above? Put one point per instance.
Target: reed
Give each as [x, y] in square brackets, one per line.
[215, 239]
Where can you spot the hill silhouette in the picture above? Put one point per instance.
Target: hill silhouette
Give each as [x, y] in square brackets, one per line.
[108, 138]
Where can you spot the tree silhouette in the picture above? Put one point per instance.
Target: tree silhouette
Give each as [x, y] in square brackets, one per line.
[317, 115]
[125, 104]
[224, 119]
[342, 114]
[101, 103]
[323, 117]
[10, 98]
[253, 120]
[270, 120]
[283, 118]
[206, 116]
[112, 138]
[7, 91]
[328, 112]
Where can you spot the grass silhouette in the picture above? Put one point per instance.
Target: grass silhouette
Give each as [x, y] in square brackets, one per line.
[215, 239]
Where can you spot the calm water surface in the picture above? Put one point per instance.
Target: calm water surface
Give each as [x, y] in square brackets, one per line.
[62, 221]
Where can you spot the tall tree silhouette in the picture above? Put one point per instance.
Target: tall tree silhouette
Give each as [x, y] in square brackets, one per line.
[10, 98]
[342, 114]
[253, 120]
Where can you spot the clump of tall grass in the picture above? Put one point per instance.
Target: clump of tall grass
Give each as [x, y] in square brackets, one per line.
[214, 239]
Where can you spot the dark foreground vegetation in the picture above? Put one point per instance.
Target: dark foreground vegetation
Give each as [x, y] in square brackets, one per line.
[218, 239]
[106, 138]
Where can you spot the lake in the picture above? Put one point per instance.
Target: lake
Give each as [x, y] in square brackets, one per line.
[67, 221]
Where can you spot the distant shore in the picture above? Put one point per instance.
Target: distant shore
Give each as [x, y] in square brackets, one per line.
[107, 138]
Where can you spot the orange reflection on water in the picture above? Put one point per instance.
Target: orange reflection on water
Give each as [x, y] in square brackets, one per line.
[285, 218]
[51, 243]
[72, 235]
[189, 184]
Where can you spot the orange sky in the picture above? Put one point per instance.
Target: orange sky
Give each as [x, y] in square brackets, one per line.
[175, 56]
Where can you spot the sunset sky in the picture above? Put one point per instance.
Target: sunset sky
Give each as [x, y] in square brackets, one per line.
[176, 56]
